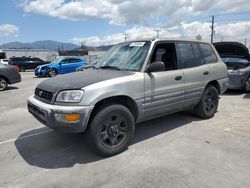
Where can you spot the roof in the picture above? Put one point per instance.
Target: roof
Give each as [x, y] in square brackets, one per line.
[166, 39]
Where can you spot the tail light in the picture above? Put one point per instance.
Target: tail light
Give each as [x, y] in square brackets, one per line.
[16, 69]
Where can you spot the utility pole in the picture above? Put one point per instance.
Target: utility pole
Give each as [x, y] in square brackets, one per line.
[125, 37]
[212, 30]
[157, 32]
[245, 42]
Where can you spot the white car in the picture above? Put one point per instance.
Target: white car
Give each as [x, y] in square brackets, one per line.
[4, 61]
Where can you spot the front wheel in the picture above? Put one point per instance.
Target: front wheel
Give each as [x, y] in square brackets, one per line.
[247, 85]
[208, 104]
[3, 84]
[51, 72]
[111, 130]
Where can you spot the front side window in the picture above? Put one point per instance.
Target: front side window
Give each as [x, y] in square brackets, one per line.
[75, 60]
[66, 61]
[166, 53]
[208, 53]
[125, 56]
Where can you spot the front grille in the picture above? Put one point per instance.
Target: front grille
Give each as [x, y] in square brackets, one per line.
[44, 94]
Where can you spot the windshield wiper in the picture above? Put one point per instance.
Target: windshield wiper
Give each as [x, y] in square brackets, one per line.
[109, 67]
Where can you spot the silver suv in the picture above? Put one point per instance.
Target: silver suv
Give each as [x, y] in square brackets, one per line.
[133, 82]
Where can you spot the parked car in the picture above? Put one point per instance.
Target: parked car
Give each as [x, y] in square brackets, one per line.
[236, 56]
[61, 65]
[25, 63]
[4, 61]
[8, 75]
[82, 68]
[133, 82]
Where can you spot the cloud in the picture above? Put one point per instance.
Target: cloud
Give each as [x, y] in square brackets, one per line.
[8, 30]
[131, 11]
[237, 31]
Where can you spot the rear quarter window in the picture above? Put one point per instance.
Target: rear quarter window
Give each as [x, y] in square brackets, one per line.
[208, 53]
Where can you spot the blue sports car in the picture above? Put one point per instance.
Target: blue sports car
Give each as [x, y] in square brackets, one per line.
[61, 65]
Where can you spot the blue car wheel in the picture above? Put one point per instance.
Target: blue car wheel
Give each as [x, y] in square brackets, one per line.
[51, 72]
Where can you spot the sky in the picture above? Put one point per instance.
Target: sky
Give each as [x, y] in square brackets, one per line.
[104, 22]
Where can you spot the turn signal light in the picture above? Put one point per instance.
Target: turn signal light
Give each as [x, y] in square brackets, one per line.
[72, 117]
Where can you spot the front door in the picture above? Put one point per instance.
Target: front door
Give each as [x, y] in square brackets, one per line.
[164, 91]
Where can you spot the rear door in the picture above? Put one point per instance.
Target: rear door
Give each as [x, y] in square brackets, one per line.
[75, 63]
[196, 73]
[164, 91]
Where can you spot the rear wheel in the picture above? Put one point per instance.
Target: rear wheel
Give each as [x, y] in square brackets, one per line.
[3, 84]
[22, 68]
[111, 130]
[208, 104]
[51, 72]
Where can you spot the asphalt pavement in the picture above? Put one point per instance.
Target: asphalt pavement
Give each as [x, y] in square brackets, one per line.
[178, 150]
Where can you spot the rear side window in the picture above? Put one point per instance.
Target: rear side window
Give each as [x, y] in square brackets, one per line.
[187, 55]
[208, 53]
[198, 55]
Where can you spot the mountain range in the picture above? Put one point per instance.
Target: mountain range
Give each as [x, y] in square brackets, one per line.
[45, 44]
[50, 45]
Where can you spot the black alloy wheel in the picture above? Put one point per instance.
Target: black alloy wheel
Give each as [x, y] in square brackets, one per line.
[111, 130]
[3, 84]
[208, 104]
[51, 72]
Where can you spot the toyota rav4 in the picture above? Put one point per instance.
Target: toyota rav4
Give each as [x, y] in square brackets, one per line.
[133, 82]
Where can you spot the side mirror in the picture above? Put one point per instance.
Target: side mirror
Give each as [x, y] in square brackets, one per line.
[156, 66]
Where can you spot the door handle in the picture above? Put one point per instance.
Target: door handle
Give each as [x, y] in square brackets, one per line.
[178, 77]
[206, 73]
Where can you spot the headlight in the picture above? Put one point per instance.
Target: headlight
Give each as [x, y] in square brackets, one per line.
[70, 96]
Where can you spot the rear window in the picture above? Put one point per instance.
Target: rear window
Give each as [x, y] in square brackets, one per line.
[208, 53]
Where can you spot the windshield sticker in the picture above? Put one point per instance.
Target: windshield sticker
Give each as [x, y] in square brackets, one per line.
[139, 44]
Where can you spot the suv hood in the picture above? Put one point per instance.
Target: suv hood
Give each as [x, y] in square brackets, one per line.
[232, 49]
[78, 80]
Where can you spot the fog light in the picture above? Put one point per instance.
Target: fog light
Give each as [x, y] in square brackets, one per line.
[67, 118]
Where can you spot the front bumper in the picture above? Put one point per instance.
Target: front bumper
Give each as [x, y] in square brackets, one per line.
[237, 81]
[40, 73]
[45, 113]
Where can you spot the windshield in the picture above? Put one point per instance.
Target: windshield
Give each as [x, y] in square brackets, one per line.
[57, 60]
[125, 56]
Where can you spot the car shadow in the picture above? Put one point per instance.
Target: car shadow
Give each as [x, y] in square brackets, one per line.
[9, 88]
[233, 92]
[53, 149]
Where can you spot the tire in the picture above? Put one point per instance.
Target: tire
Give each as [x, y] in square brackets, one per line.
[22, 68]
[51, 72]
[3, 84]
[247, 86]
[208, 104]
[111, 130]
